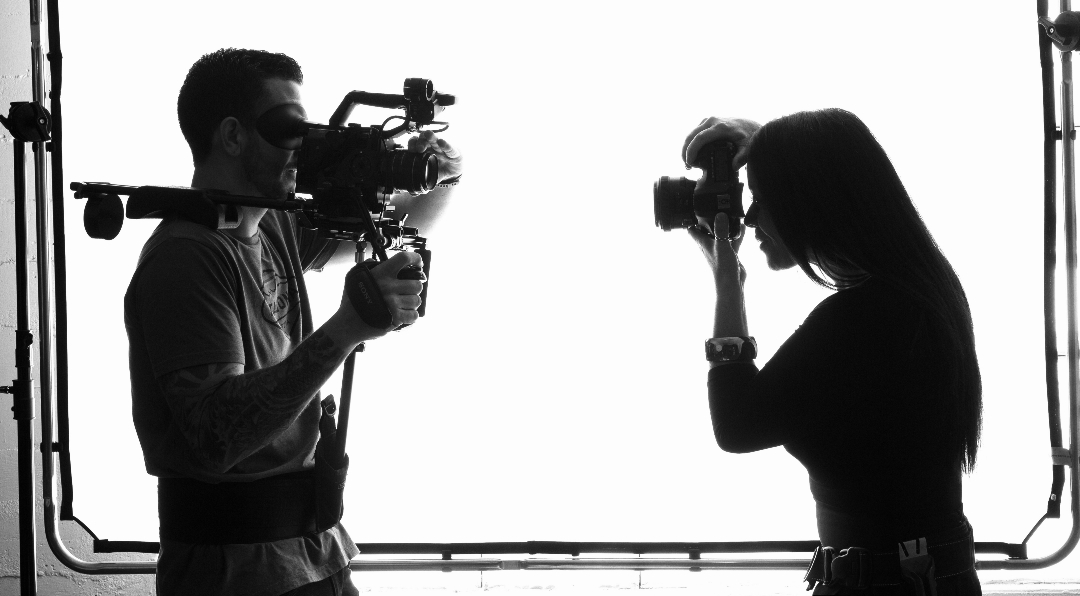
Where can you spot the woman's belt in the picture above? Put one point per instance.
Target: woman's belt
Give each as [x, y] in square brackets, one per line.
[265, 510]
[916, 563]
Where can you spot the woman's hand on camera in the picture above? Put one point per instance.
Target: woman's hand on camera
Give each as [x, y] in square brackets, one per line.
[721, 253]
[736, 130]
[449, 158]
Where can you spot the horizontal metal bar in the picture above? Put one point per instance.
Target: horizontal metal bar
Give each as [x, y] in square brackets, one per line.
[551, 547]
[690, 549]
[578, 564]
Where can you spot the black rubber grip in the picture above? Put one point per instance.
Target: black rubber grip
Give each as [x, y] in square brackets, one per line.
[366, 298]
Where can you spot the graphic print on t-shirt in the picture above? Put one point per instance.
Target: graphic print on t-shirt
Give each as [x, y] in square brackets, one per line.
[280, 302]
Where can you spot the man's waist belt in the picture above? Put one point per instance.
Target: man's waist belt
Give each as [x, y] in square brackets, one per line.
[265, 510]
[916, 563]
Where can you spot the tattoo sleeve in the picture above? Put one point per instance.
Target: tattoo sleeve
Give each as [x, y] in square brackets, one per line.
[227, 415]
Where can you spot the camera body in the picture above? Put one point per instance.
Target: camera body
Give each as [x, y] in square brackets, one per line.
[678, 202]
[350, 170]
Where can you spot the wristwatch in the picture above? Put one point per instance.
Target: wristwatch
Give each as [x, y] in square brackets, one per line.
[730, 349]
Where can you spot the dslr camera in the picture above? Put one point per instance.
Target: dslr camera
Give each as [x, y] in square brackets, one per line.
[678, 202]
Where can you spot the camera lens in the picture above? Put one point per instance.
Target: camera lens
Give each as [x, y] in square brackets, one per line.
[673, 203]
[422, 89]
[409, 171]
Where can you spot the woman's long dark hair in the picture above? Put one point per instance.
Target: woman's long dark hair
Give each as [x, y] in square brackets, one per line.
[838, 203]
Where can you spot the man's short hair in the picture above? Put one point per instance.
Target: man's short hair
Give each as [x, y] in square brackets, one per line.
[226, 83]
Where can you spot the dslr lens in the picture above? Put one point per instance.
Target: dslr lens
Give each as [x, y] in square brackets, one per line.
[673, 203]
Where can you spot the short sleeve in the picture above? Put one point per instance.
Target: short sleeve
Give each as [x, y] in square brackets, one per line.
[186, 307]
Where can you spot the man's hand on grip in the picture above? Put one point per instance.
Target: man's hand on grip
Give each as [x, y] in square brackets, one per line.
[379, 297]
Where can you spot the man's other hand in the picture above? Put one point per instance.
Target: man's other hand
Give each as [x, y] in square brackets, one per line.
[449, 158]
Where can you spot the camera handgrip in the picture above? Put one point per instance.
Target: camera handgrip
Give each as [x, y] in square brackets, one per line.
[415, 272]
[365, 296]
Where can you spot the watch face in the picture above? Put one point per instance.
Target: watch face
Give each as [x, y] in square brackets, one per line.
[726, 349]
[729, 352]
[720, 351]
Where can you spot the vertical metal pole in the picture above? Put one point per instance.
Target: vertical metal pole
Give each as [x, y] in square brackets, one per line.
[27, 449]
[1069, 194]
[23, 390]
[43, 210]
[346, 405]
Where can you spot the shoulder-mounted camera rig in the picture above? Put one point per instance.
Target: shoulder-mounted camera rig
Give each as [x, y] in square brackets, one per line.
[349, 171]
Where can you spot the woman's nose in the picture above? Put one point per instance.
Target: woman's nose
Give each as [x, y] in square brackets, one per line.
[752, 215]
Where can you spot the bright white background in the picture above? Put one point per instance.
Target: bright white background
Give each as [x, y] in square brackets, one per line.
[556, 389]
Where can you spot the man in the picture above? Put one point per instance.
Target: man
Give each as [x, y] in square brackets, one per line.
[225, 365]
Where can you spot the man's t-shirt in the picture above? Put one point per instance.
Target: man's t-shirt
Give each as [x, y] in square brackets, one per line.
[201, 296]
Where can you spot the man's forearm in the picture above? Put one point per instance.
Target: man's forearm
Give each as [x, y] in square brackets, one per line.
[226, 416]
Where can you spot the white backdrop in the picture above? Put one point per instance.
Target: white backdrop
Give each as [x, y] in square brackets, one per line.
[556, 389]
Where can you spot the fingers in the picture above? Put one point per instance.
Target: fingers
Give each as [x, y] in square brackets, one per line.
[720, 226]
[402, 296]
[392, 266]
[703, 126]
[403, 308]
[740, 156]
[720, 252]
[736, 130]
[737, 242]
[449, 157]
[700, 234]
[427, 140]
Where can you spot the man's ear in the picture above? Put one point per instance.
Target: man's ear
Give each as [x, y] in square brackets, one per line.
[233, 136]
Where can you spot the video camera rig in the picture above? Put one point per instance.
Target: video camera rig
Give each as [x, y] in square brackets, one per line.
[350, 172]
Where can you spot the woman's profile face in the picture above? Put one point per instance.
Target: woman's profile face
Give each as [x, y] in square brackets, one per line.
[757, 216]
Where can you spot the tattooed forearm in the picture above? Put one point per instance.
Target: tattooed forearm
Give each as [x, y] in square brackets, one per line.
[226, 415]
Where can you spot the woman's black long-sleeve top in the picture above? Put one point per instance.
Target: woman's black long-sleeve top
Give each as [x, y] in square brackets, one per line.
[856, 394]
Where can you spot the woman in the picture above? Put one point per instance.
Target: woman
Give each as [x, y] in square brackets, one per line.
[878, 394]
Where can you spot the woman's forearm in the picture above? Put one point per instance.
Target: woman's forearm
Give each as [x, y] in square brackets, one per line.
[730, 317]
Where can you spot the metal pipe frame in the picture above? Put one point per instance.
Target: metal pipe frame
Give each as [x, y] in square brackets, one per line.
[23, 388]
[1069, 457]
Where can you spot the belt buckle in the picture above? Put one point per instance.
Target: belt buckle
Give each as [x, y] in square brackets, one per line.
[820, 569]
[852, 568]
[917, 568]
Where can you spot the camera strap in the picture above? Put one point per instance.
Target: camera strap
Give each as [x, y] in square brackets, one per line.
[365, 296]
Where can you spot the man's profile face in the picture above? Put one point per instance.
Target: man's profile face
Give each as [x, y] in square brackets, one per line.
[271, 170]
